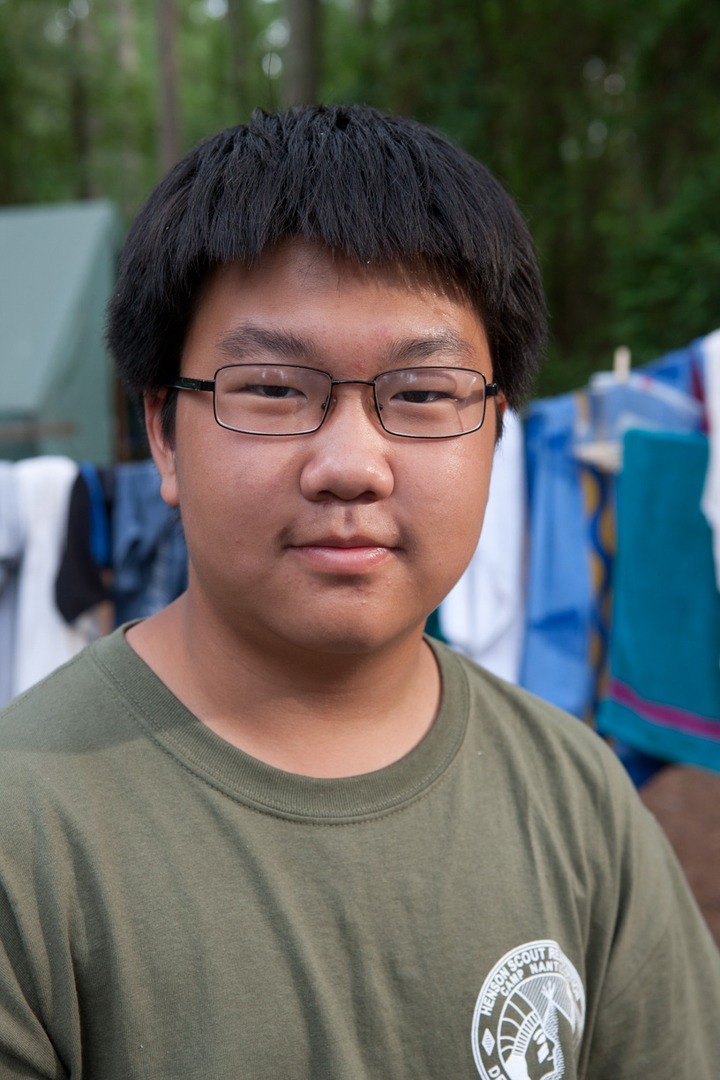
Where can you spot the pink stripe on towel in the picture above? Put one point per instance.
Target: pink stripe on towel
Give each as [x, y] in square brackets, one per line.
[667, 715]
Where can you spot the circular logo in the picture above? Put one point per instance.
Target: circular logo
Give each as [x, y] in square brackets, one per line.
[529, 1015]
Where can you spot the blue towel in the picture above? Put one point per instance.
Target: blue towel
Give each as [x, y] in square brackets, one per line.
[149, 552]
[559, 594]
[663, 695]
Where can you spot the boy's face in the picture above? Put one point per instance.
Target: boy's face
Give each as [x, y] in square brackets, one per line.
[345, 539]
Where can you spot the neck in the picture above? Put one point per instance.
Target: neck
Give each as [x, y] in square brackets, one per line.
[316, 714]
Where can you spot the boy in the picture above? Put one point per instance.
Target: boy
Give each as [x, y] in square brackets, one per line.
[274, 831]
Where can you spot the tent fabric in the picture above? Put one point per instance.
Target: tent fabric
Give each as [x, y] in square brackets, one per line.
[57, 269]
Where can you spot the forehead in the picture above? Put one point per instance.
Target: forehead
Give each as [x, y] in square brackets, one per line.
[314, 295]
[311, 265]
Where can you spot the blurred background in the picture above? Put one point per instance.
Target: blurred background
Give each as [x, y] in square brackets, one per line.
[601, 117]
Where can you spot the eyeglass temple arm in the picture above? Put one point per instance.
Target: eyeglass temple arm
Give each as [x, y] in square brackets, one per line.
[182, 383]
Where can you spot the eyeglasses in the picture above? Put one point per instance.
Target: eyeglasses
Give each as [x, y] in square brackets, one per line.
[286, 399]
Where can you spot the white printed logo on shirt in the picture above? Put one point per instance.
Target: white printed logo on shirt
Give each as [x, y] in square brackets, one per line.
[529, 1015]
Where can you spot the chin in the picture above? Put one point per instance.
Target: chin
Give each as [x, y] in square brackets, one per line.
[355, 640]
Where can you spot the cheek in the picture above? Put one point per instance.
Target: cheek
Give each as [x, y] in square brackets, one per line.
[228, 492]
[453, 496]
[462, 481]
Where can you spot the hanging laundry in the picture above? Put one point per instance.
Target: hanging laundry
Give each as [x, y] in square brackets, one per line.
[559, 589]
[484, 615]
[573, 450]
[711, 490]
[149, 552]
[11, 550]
[124, 544]
[640, 400]
[43, 639]
[681, 369]
[598, 490]
[663, 695]
[83, 581]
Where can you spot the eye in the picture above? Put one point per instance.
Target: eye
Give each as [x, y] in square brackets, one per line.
[269, 391]
[264, 382]
[421, 397]
[424, 386]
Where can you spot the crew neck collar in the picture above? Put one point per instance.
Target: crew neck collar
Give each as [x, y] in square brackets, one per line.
[169, 724]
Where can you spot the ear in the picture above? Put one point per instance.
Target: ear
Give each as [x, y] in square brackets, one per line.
[161, 448]
[500, 407]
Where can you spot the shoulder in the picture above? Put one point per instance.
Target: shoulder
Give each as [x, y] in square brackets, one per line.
[577, 814]
[71, 747]
[64, 734]
[554, 773]
[527, 732]
[64, 705]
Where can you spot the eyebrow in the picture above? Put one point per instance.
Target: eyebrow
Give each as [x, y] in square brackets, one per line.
[248, 339]
[443, 342]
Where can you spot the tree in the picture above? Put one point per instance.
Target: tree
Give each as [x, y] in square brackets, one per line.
[601, 119]
[302, 53]
[168, 112]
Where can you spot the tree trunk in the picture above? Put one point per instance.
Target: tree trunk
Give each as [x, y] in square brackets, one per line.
[84, 123]
[169, 127]
[302, 54]
[128, 60]
[239, 31]
[363, 12]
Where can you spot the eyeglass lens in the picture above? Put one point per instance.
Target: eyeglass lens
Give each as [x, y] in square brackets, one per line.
[279, 399]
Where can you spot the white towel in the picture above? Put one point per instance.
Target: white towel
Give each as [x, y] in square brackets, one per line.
[484, 615]
[43, 638]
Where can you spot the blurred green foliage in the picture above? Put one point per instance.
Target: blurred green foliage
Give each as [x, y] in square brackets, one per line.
[602, 118]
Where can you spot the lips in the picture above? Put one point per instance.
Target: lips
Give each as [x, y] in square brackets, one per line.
[356, 554]
[358, 540]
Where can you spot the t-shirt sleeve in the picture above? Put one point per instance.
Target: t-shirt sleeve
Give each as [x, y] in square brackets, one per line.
[658, 1014]
[26, 1050]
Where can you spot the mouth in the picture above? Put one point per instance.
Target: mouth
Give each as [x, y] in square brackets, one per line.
[344, 554]
[357, 540]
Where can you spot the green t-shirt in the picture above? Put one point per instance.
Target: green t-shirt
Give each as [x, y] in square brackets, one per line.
[497, 903]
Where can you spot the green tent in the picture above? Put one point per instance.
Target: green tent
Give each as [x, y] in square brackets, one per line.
[57, 269]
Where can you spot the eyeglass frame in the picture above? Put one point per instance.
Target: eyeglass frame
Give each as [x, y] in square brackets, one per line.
[492, 390]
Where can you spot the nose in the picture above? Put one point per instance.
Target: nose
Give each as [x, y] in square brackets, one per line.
[349, 456]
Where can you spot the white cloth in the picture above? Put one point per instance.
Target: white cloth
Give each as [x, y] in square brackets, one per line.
[43, 639]
[484, 615]
[711, 492]
[11, 547]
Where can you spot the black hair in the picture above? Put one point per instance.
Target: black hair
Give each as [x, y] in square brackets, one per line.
[377, 188]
